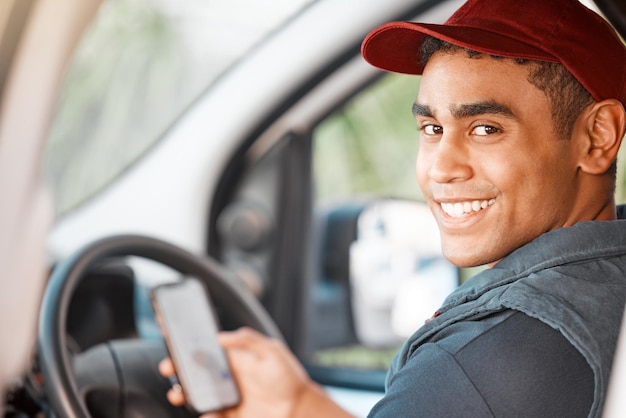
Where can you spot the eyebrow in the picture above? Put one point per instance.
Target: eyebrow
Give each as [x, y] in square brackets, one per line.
[480, 108]
[422, 110]
[467, 110]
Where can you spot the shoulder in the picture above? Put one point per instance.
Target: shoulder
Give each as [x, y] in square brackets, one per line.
[503, 364]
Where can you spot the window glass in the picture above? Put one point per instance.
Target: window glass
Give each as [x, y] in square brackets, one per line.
[139, 66]
[369, 147]
[395, 276]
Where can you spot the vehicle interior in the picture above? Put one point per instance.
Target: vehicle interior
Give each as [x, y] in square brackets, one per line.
[247, 146]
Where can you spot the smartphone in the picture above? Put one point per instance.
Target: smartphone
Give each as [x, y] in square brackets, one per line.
[189, 327]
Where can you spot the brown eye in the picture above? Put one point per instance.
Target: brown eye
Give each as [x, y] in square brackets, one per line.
[484, 130]
[432, 129]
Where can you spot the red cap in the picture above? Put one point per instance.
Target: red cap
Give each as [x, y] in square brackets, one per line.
[562, 31]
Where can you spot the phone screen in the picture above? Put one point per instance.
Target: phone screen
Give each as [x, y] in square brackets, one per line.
[190, 330]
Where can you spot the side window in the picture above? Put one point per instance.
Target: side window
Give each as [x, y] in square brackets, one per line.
[139, 66]
[380, 270]
[123, 89]
[368, 148]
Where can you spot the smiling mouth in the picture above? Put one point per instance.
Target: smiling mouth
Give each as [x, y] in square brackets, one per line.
[460, 209]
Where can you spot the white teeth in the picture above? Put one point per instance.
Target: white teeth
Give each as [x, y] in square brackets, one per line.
[456, 210]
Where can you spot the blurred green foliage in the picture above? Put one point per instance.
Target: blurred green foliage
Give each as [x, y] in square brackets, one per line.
[369, 147]
[111, 108]
[356, 357]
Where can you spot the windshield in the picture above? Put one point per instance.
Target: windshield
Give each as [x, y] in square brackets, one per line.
[138, 67]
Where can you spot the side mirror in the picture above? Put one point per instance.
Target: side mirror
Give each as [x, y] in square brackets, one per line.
[379, 275]
[398, 275]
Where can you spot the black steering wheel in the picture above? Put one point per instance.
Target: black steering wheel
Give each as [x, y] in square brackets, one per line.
[124, 370]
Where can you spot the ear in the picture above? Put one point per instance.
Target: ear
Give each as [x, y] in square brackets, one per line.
[603, 126]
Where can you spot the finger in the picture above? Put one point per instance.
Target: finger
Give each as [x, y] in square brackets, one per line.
[240, 336]
[166, 368]
[244, 338]
[176, 397]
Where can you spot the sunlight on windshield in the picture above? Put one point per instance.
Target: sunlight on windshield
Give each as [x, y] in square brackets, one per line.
[139, 66]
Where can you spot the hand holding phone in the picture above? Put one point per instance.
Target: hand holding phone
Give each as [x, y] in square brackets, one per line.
[190, 328]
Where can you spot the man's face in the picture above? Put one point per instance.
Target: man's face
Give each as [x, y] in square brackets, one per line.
[492, 170]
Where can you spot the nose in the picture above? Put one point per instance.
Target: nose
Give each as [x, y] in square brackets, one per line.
[447, 160]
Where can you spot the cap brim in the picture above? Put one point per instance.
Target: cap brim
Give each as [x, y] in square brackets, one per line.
[395, 46]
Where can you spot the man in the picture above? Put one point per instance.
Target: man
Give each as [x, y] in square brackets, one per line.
[521, 115]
